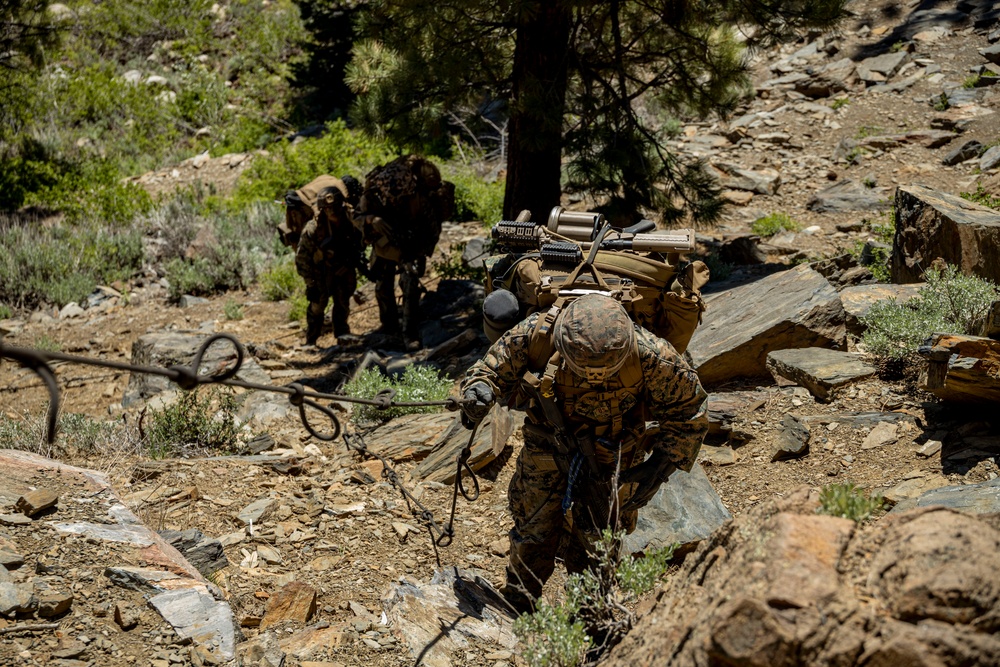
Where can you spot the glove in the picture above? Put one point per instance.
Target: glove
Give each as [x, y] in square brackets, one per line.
[479, 399]
[647, 476]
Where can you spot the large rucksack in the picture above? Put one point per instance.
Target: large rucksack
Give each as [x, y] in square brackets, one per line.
[578, 253]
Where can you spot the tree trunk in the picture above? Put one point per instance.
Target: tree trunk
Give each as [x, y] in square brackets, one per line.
[539, 96]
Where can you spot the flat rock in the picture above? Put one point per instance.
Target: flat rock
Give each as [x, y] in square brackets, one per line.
[904, 495]
[256, 511]
[295, 601]
[734, 177]
[932, 224]
[37, 501]
[204, 552]
[848, 195]
[196, 615]
[177, 347]
[685, 510]
[880, 68]
[791, 309]
[859, 299]
[14, 520]
[724, 406]
[820, 370]
[454, 611]
[883, 434]
[490, 440]
[982, 498]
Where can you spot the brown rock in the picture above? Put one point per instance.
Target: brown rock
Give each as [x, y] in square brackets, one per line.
[127, 616]
[782, 586]
[296, 601]
[36, 501]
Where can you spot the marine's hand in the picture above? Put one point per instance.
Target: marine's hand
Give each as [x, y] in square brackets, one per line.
[479, 398]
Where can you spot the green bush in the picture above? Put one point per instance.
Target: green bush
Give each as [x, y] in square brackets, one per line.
[75, 433]
[556, 635]
[982, 197]
[201, 420]
[242, 243]
[281, 281]
[882, 230]
[58, 265]
[717, 269]
[771, 224]
[233, 310]
[476, 198]
[339, 151]
[848, 501]
[417, 384]
[5, 311]
[950, 302]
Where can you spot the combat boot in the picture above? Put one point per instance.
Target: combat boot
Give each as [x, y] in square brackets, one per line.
[314, 327]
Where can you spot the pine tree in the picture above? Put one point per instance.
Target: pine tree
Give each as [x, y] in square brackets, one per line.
[586, 84]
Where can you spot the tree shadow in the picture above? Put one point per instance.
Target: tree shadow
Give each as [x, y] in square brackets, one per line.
[923, 16]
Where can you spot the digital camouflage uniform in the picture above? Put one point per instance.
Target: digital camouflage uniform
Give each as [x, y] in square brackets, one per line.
[329, 253]
[400, 213]
[300, 208]
[665, 390]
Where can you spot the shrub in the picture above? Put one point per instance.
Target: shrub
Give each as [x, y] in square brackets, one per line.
[982, 197]
[194, 423]
[557, 635]
[848, 501]
[418, 383]
[475, 197]
[75, 433]
[771, 224]
[281, 281]
[233, 310]
[869, 131]
[339, 151]
[717, 268]
[453, 268]
[949, 302]
[840, 103]
[876, 257]
[5, 311]
[58, 265]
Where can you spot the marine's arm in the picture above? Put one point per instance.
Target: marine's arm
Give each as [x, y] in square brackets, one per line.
[676, 400]
[503, 365]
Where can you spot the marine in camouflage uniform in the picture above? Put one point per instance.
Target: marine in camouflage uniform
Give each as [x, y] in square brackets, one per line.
[329, 253]
[608, 378]
[300, 208]
[400, 213]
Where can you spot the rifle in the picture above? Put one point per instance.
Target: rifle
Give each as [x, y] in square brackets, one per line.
[568, 234]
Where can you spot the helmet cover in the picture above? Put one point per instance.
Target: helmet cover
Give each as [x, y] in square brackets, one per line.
[594, 337]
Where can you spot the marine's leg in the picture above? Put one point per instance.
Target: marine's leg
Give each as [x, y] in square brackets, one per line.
[535, 498]
[384, 272]
[314, 314]
[409, 284]
[344, 283]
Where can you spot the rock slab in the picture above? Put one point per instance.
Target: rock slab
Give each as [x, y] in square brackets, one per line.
[820, 370]
[932, 224]
[685, 511]
[791, 309]
[785, 586]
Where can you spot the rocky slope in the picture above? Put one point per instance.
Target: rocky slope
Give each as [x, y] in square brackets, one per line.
[307, 542]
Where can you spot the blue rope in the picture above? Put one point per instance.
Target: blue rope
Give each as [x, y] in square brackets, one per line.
[574, 472]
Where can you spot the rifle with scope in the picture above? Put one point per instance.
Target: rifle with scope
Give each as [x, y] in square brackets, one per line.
[568, 234]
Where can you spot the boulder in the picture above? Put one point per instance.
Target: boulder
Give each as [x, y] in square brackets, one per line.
[456, 610]
[931, 224]
[782, 585]
[791, 309]
[848, 195]
[820, 370]
[982, 498]
[961, 368]
[176, 347]
[883, 67]
[685, 511]
[734, 177]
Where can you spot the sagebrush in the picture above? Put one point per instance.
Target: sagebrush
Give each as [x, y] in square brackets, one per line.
[200, 421]
[949, 302]
[849, 502]
[417, 384]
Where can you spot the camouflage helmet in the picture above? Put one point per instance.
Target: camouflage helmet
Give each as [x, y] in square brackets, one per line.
[330, 196]
[594, 337]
